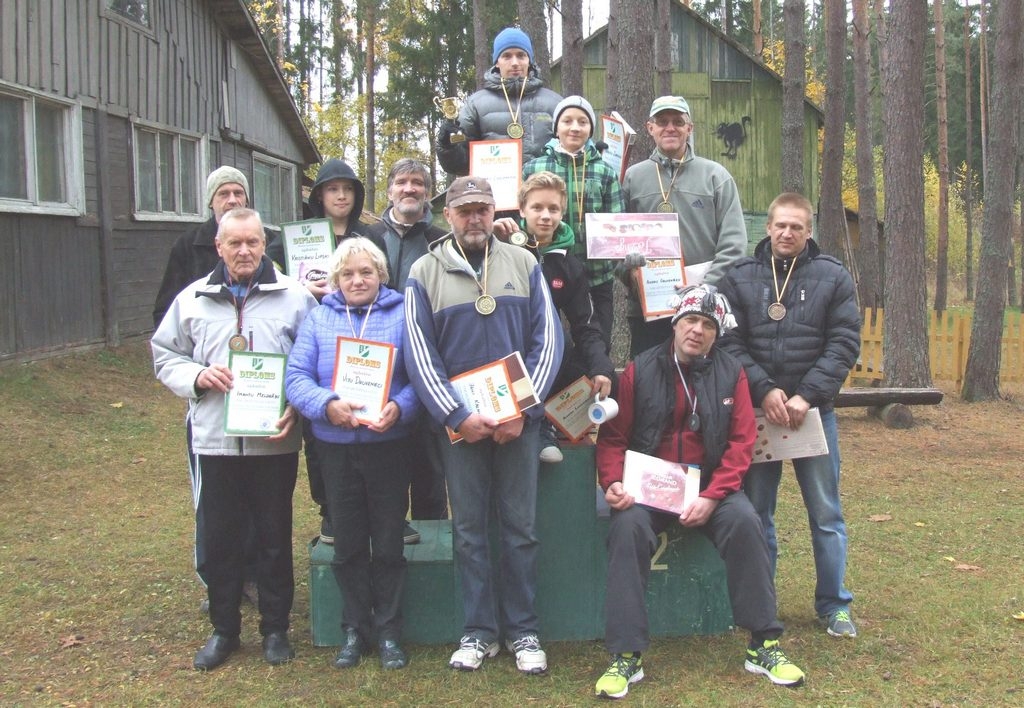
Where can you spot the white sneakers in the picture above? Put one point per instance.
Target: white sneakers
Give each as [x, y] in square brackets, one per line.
[530, 658]
[471, 654]
[551, 454]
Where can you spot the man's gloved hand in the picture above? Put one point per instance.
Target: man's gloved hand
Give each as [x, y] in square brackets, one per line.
[634, 260]
[627, 267]
[445, 130]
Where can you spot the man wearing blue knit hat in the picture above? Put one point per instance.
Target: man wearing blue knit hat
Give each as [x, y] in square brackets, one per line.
[513, 103]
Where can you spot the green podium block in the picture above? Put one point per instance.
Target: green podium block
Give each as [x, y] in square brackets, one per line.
[686, 593]
[571, 562]
[686, 590]
[432, 613]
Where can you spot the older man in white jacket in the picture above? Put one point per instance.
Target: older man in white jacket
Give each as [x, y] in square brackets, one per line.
[245, 305]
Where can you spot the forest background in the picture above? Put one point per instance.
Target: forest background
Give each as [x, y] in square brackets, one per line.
[364, 74]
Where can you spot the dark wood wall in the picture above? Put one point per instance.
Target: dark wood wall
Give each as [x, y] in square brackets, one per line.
[171, 74]
[72, 281]
[50, 279]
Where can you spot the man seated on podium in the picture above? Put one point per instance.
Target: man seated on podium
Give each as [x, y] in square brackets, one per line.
[685, 401]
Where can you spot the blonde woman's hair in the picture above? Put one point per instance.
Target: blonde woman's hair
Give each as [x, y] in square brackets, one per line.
[350, 247]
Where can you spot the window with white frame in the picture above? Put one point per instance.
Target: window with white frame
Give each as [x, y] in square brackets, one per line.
[134, 10]
[273, 190]
[167, 169]
[40, 161]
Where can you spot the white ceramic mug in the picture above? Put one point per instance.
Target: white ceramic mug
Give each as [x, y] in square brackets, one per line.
[602, 410]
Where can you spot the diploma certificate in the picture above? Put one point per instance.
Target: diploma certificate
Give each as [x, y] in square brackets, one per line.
[619, 137]
[656, 285]
[308, 246]
[567, 409]
[500, 391]
[255, 401]
[657, 483]
[657, 281]
[614, 235]
[362, 375]
[775, 442]
[500, 162]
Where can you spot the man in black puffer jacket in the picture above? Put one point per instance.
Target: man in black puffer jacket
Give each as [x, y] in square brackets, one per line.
[798, 334]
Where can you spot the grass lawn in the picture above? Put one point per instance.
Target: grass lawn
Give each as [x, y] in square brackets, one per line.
[100, 601]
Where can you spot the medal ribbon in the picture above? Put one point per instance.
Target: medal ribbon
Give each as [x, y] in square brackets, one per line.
[365, 320]
[487, 248]
[239, 306]
[580, 182]
[519, 103]
[661, 186]
[691, 401]
[775, 281]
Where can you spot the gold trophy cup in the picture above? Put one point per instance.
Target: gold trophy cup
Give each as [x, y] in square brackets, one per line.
[449, 106]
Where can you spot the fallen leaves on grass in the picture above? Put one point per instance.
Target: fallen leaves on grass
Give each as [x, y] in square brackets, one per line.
[880, 517]
[72, 640]
[1019, 616]
[119, 404]
[967, 567]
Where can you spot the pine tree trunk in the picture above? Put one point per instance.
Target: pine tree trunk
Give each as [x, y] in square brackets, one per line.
[942, 239]
[533, 22]
[369, 170]
[969, 169]
[758, 36]
[572, 48]
[635, 59]
[981, 380]
[611, 81]
[906, 336]
[831, 231]
[793, 87]
[869, 285]
[663, 47]
[481, 47]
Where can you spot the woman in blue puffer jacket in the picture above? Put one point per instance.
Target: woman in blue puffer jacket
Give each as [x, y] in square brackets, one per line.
[361, 442]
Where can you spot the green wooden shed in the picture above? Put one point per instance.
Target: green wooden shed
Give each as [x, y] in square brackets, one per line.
[724, 83]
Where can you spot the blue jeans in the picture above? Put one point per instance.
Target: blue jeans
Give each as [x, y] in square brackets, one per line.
[482, 476]
[818, 478]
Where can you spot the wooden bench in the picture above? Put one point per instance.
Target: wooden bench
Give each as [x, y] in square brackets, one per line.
[891, 405]
[686, 594]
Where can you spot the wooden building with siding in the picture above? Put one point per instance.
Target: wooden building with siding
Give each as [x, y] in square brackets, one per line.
[723, 83]
[112, 113]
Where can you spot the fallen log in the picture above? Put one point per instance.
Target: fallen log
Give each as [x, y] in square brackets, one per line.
[880, 397]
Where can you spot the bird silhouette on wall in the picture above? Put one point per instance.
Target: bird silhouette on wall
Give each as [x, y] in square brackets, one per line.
[733, 135]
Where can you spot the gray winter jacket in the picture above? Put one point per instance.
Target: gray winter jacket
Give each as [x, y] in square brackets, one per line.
[485, 116]
[195, 333]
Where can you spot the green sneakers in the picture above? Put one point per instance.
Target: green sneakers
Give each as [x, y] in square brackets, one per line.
[625, 669]
[770, 660]
[840, 624]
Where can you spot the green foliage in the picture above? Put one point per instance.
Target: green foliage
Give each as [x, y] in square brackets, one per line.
[957, 208]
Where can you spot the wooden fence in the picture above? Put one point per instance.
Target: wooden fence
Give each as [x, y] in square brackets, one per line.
[949, 338]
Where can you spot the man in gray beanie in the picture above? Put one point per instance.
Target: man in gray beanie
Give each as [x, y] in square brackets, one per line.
[194, 254]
